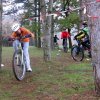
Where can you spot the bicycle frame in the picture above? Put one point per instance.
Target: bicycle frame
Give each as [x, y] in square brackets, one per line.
[19, 63]
[20, 47]
[84, 46]
[81, 47]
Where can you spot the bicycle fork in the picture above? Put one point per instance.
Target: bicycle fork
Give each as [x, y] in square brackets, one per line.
[20, 60]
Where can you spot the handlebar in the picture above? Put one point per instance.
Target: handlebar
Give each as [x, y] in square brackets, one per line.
[19, 38]
[26, 36]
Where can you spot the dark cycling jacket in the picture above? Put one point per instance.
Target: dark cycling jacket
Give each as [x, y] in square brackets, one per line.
[81, 35]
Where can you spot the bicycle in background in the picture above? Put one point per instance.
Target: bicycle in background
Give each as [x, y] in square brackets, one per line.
[77, 51]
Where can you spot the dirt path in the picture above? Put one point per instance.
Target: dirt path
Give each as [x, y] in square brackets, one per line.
[31, 83]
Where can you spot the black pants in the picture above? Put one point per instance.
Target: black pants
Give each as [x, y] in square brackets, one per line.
[65, 42]
[86, 44]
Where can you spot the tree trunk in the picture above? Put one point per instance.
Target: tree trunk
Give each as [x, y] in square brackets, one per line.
[70, 42]
[94, 23]
[36, 35]
[46, 26]
[39, 32]
[66, 4]
[0, 32]
[51, 24]
[52, 33]
[80, 12]
[37, 24]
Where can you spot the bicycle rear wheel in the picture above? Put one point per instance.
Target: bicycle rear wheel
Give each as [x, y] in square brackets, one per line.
[77, 53]
[18, 65]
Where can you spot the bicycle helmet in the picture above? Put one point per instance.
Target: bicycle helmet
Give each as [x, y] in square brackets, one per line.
[15, 27]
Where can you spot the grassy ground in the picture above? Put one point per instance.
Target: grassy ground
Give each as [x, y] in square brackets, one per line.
[60, 79]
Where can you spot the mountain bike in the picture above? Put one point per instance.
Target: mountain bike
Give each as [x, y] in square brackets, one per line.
[77, 51]
[18, 62]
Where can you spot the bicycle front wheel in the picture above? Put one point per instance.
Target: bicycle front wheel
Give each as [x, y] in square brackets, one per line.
[18, 65]
[77, 53]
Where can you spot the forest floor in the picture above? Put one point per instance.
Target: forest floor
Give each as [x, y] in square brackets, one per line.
[60, 79]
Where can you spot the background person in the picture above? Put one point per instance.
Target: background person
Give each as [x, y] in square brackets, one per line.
[64, 35]
[56, 40]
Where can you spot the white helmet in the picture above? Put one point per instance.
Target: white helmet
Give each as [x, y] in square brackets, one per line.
[15, 27]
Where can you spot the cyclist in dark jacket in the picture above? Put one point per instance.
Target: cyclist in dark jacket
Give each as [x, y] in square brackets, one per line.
[83, 38]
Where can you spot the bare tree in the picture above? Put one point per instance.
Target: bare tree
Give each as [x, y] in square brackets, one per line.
[0, 32]
[93, 9]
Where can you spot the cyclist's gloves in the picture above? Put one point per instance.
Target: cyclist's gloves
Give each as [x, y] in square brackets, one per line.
[11, 39]
[26, 36]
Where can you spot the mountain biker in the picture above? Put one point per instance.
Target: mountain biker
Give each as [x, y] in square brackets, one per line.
[19, 32]
[83, 38]
[86, 29]
[64, 35]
